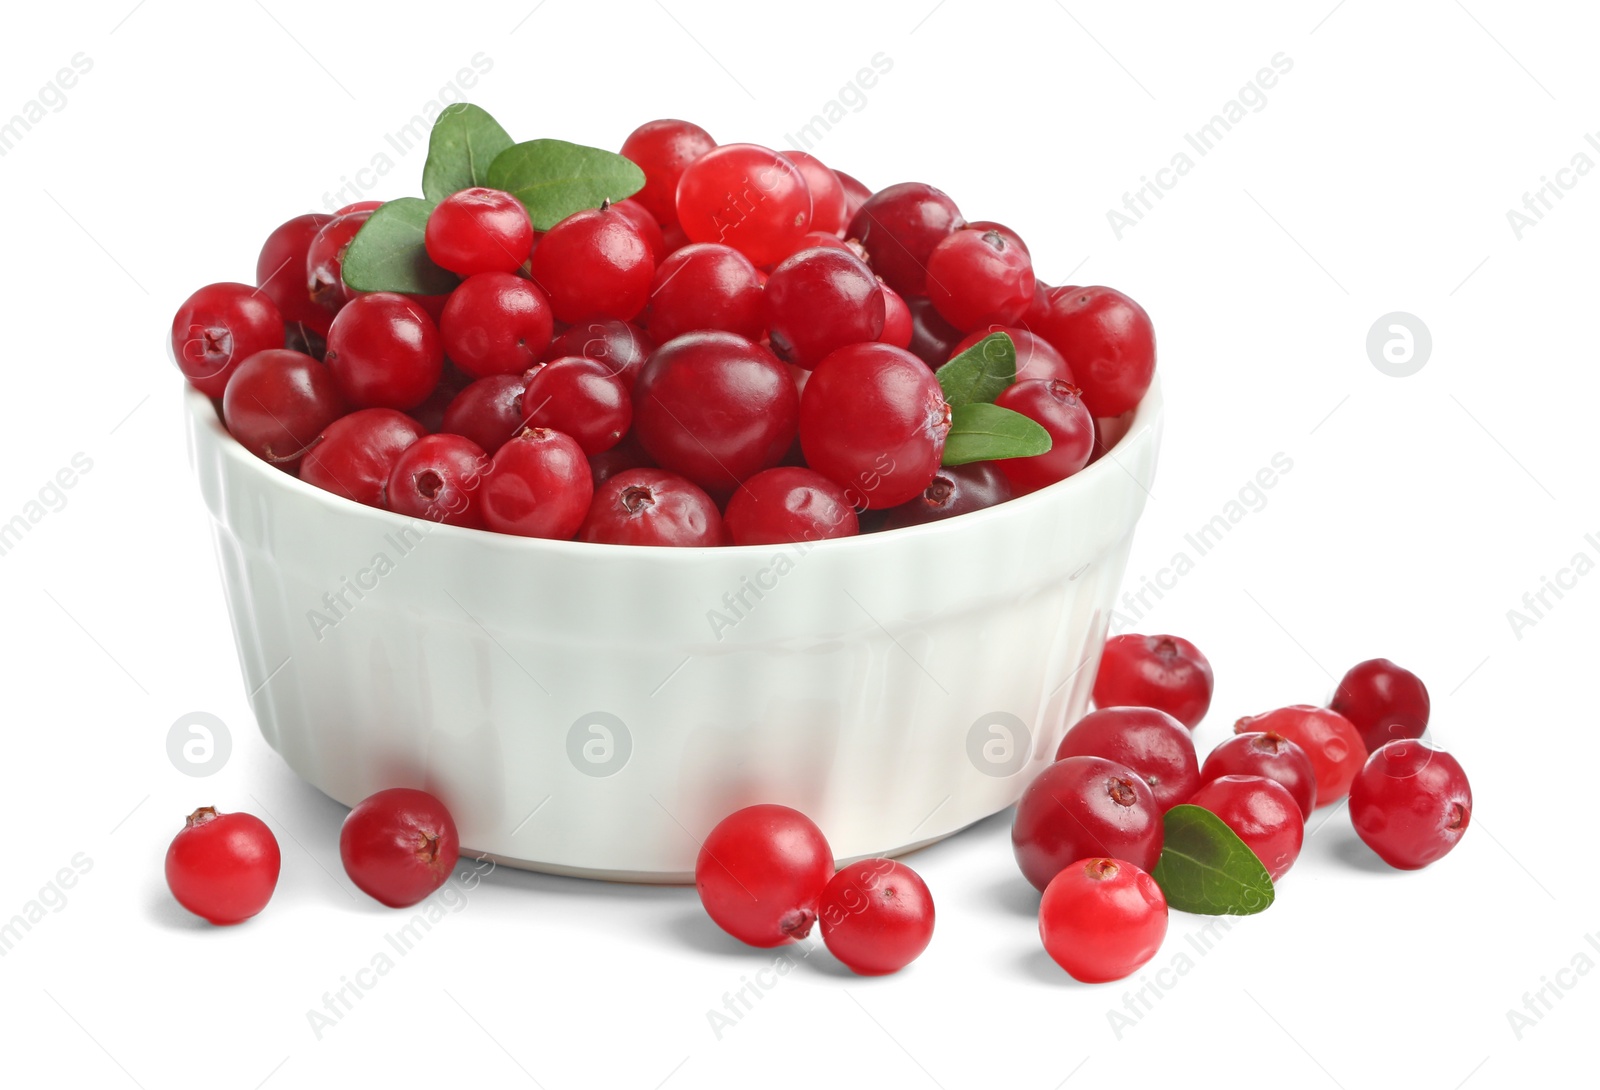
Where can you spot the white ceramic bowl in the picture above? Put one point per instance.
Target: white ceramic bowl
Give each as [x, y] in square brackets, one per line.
[594, 710]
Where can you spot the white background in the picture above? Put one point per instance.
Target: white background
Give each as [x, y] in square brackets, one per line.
[1419, 510]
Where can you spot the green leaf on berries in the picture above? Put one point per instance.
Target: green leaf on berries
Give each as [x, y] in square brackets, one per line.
[1205, 867]
[554, 179]
[980, 373]
[980, 432]
[387, 254]
[465, 141]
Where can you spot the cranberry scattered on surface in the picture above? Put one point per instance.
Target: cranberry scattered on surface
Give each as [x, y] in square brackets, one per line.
[1328, 739]
[1150, 742]
[761, 872]
[876, 916]
[1262, 813]
[1102, 919]
[1270, 755]
[223, 867]
[1410, 803]
[1164, 672]
[1383, 701]
[1081, 807]
[399, 845]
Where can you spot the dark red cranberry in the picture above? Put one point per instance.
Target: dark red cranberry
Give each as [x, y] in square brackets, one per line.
[488, 412]
[954, 490]
[281, 271]
[579, 397]
[1055, 406]
[933, 340]
[900, 226]
[652, 507]
[715, 408]
[384, 351]
[856, 194]
[1107, 340]
[621, 346]
[628, 454]
[1263, 753]
[896, 319]
[788, 503]
[705, 286]
[218, 328]
[1150, 742]
[1036, 357]
[978, 278]
[438, 478]
[278, 402]
[325, 261]
[819, 300]
[1382, 701]
[357, 452]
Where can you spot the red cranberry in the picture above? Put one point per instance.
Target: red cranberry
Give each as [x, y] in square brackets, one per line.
[788, 503]
[356, 453]
[663, 149]
[811, 240]
[1036, 358]
[430, 414]
[488, 412]
[819, 300]
[1102, 919]
[745, 196]
[977, 278]
[896, 319]
[495, 323]
[358, 206]
[652, 507]
[1382, 701]
[325, 261]
[223, 867]
[1148, 741]
[954, 490]
[1332, 744]
[1411, 803]
[538, 485]
[1262, 813]
[621, 346]
[627, 454]
[580, 397]
[874, 419]
[646, 225]
[1107, 340]
[281, 271]
[1011, 237]
[399, 845]
[856, 194]
[761, 872]
[218, 328]
[1056, 407]
[900, 226]
[876, 916]
[1164, 672]
[385, 352]
[827, 192]
[1266, 754]
[705, 286]
[437, 478]
[593, 264]
[715, 408]
[479, 230]
[1081, 807]
[933, 340]
[278, 402]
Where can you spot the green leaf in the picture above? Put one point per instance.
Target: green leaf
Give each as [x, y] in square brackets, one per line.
[1205, 867]
[555, 179]
[980, 432]
[387, 254]
[980, 373]
[464, 143]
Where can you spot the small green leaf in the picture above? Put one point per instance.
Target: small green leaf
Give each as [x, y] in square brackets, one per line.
[465, 141]
[387, 254]
[980, 432]
[980, 373]
[555, 179]
[1205, 867]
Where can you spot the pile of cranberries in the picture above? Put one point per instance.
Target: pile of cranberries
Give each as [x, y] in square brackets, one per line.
[742, 352]
[1089, 829]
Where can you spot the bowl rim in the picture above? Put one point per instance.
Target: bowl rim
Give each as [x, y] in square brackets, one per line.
[205, 415]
